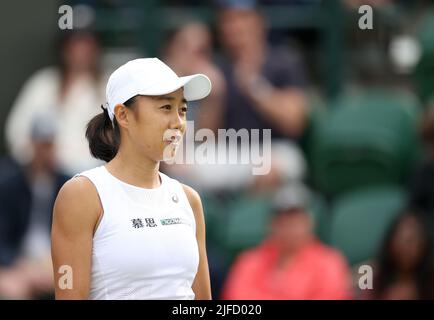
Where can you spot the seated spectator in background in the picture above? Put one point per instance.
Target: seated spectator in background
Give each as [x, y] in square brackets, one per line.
[422, 182]
[71, 91]
[189, 50]
[290, 263]
[26, 200]
[405, 268]
[265, 86]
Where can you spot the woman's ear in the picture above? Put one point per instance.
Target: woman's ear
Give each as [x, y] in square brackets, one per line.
[121, 114]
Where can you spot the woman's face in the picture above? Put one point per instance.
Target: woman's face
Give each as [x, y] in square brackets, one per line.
[156, 124]
[407, 244]
[240, 31]
[192, 41]
[81, 53]
[292, 230]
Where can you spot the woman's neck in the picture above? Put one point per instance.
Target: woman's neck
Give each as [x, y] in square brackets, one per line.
[138, 171]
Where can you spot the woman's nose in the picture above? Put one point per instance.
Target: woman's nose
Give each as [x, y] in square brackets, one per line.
[177, 121]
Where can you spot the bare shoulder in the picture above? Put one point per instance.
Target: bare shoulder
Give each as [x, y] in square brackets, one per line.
[195, 203]
[78, 200]
[196, 206]
[78, 191]
[193, 196]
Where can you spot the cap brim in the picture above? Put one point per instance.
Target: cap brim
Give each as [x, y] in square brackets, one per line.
[196, 87]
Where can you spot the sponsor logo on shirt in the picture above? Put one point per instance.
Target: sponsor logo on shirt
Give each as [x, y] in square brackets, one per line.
[138, 223]
[150, 222]
[169, 221]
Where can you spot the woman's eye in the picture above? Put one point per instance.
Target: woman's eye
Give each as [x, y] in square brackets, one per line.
[167, 107]
[184, 109]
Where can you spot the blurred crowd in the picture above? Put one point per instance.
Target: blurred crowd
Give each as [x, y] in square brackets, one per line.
[351, 179]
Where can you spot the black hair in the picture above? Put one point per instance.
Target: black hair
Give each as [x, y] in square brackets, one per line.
[103, 135]
[424, 269]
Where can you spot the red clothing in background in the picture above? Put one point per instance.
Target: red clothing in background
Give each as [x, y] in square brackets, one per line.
[315, 272]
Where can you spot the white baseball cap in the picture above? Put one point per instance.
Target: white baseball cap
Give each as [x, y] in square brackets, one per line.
[151, 77]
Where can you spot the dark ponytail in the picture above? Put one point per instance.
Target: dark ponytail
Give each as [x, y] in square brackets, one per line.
[103, 136]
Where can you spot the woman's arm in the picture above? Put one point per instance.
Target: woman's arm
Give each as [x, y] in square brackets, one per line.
[201, 285]
[76, 213]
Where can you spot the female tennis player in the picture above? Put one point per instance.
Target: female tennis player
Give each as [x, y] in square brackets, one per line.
[124, 230]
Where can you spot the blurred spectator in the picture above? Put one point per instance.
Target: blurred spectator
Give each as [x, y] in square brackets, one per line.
[290, 263]
[26, 200]
[189, 50]
[265, 86]
[72, 92]
[405, 268]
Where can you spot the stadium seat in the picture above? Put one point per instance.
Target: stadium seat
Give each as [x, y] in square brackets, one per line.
[365, 140]
[361, 219]
[319, 209]
[247, 222]
[214, 208]
[423, 77]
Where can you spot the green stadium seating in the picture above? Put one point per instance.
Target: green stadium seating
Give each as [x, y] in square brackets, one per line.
[319, 209]
[361, 219]
[214, 213]
[366, 139]
[423, 77]
[247, 222]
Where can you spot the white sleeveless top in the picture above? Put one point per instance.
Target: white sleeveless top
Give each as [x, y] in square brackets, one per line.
[145, 245]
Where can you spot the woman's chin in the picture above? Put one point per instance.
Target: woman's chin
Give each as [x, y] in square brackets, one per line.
[169, 153]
